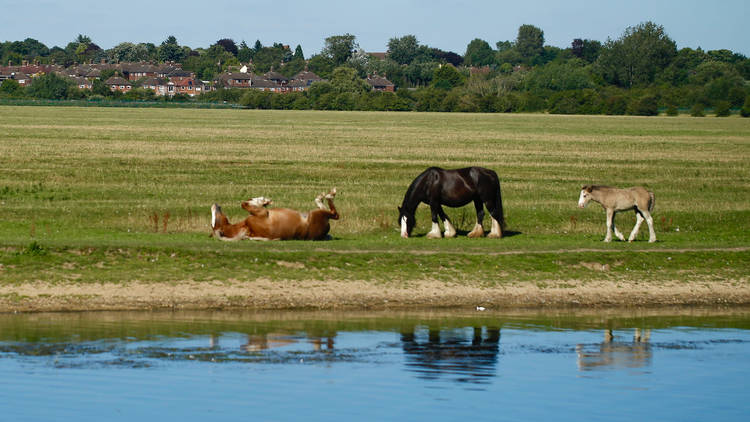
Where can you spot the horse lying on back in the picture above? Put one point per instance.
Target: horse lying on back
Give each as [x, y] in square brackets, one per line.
[614, 200]
[276, 223]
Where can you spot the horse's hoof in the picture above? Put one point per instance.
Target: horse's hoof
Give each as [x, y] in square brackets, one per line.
[434, 235]
[494, 236]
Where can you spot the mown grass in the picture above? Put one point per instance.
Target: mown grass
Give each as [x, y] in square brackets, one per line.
[124, 194]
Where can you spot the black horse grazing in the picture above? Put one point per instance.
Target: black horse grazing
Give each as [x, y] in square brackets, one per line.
[454, 188]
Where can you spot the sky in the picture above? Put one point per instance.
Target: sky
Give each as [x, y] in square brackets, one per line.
[443, 24]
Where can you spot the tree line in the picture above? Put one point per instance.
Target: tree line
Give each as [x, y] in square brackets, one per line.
[640, 73]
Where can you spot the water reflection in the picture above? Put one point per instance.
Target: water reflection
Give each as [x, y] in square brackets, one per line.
[463, 354]
[616, 354]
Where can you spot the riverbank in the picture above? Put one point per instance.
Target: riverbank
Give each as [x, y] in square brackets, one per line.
[331, 294]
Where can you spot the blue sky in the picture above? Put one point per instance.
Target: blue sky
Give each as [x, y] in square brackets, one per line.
[448, 25]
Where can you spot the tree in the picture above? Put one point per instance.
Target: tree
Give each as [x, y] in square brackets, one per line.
[228, 45]
[346, 79]
[169, 50]
[446, 77]
[586, 49]
[339, 48]
[637, 56]
[244, 53]
[530, 43]
[298, 54]
[479, 53]
[10, 88]
[447, 56]
[403, 50]
[320, 65]
[128, 52]
[50, 86]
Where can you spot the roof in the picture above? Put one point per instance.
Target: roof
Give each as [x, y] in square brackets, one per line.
[307, 76]
[116, 80]
[376, 80]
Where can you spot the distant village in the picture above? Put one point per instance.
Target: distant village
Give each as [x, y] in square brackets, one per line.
[169, 79]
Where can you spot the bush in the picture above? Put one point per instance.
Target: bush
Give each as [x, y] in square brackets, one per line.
[645, 106]
[615, 105]
[672, 110]
[697, 110]
[745, 111]
[722, 109]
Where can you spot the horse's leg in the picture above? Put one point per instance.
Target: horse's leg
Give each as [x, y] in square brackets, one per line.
[436, 210]
[610, 218]
[478, 230]
[450, 231]
[650, 221]
[495, 209]
[614, 227]
[638, 221]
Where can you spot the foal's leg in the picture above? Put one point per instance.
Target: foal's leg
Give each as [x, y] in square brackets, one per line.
[614, 227]
[650, 221]
[478, 229]
[610, 219]
[638, 221]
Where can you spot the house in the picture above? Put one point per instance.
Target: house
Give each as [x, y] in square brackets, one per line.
[81, 82]
[117, 83]
[266, 85]
[235, 80]
[190, 87]
[135, 71]
[379, 83]
[303, 80]
[158, 85]
[276, 78]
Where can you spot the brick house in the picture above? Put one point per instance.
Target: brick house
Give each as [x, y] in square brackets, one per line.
[379, 83]
[117, 83]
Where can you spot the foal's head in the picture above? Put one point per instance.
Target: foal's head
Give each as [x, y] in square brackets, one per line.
[407, 221]
[585, 196]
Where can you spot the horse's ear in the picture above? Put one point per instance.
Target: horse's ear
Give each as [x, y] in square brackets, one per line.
[587, 188]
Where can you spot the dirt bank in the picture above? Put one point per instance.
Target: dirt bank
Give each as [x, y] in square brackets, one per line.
[331, 294]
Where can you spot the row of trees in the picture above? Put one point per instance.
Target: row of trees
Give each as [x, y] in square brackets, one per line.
[640, 72]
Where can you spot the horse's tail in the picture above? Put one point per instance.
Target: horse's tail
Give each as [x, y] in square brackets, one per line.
[651, 201]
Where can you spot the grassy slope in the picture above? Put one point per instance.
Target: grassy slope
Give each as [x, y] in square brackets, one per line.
[92, 186]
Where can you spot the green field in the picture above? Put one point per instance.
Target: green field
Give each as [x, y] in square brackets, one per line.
[117, 194]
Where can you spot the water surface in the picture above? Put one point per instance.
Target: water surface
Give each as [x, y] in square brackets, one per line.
[671, 364]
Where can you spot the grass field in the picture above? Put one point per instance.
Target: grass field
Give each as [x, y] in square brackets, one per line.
[93, 195]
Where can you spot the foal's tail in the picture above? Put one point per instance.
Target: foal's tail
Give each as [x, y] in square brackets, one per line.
[651, 201]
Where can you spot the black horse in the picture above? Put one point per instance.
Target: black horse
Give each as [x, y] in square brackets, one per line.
[454, 188]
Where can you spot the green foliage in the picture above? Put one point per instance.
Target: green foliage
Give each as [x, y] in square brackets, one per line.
[697, 110]
[170, 50]
[339, 48]
[403, 50]
[722, 109]
[745, 111]
[50, 86]
[530, 44]
[637, 56]
[446, 77]
[647, 105]
[479, 53]
[672, 110]
[10, 88]
[346, 79]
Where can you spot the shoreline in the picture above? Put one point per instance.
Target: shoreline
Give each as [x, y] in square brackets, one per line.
[361, 295]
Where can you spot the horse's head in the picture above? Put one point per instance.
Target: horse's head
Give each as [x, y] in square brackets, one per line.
[406, 221]
[585, 196]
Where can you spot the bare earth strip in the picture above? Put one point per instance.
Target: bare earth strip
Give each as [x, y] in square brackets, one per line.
[332, 294]
[337, 294]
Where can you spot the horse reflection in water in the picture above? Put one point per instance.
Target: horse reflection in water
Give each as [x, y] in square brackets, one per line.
[259, 342]
[470, 355]
[614, 354]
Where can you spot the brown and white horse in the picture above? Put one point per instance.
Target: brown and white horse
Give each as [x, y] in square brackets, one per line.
[276, 223]
[614, 200]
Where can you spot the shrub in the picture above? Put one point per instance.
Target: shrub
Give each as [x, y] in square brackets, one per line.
[645, 106]
[697, 110]
[745, 111]
[722, 109]
[672, 110]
